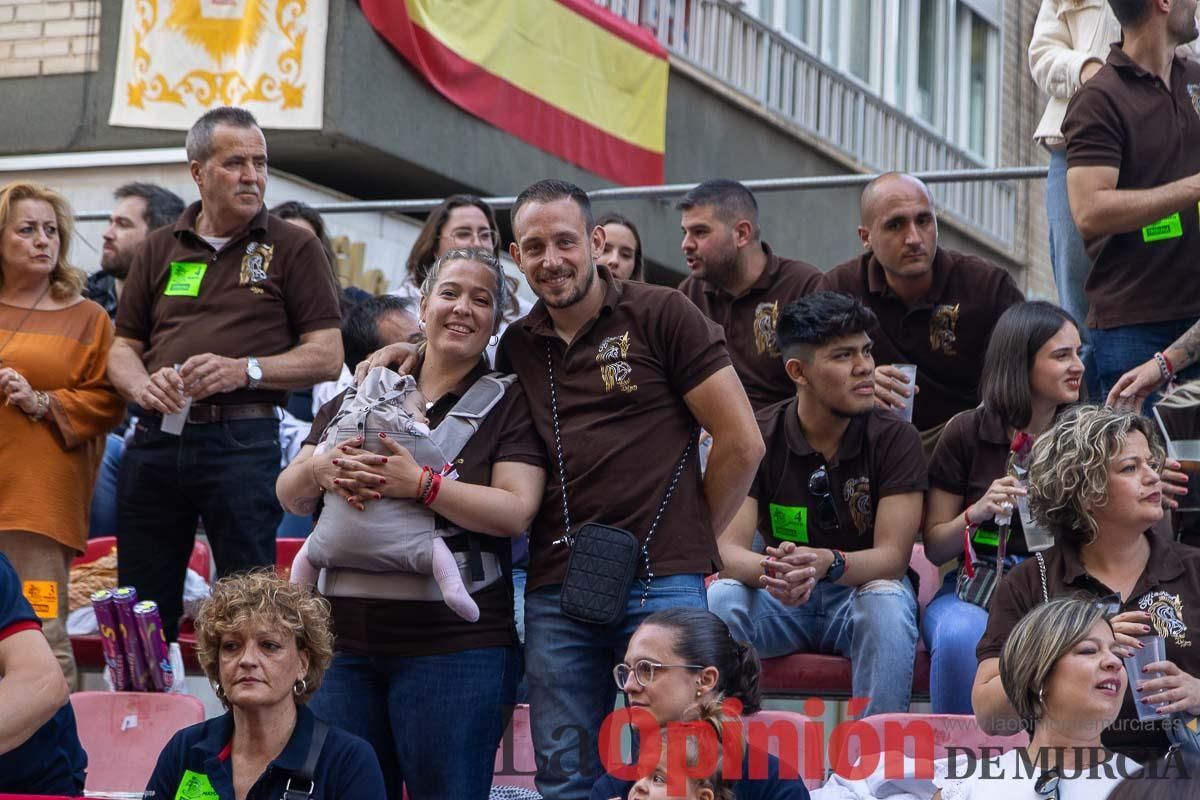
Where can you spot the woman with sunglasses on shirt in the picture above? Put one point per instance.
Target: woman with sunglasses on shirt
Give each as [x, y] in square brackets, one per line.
[1061, 671]
[680, 659]
[1032, 369]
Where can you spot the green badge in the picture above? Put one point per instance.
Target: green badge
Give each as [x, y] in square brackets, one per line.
[790, 523]
[195, 786]
[989, 538]
[185, 279]
[1166, 228]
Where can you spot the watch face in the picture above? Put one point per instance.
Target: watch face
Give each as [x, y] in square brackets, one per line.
[254, 371]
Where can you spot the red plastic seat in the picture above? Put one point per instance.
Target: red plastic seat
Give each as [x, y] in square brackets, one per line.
[928, 736]
[830, 676]
[123, 733]
[89, 653]
[772, 726]
[285, 553]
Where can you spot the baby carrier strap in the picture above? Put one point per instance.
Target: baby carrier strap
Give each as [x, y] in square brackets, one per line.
[463, 420]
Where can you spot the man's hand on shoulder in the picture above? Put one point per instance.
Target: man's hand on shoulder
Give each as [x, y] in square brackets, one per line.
[206, 375]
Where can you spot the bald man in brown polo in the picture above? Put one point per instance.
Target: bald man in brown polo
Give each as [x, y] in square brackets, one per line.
[936, 307]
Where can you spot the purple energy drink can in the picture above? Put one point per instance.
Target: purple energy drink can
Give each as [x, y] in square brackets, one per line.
[154, 644]
[110, 638]
[124, 599]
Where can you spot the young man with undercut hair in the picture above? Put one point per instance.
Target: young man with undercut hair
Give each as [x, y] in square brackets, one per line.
[935, 307]
[141, 208]
[838, 498]
[1133, 180]
[739, 283]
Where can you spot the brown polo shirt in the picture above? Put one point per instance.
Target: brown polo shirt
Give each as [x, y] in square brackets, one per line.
[945, 335]
[1126, 117]
[749, 322]
[266, 287]
[879, 455]
[623, 421]
[420, 628]
[971, 453]
[1169, 588]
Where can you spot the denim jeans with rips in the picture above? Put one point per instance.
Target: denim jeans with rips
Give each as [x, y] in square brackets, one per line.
[874, 625]
[568, 667]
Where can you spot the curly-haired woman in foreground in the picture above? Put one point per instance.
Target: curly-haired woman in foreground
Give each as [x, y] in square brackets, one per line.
[1095, 483]
[264, 644]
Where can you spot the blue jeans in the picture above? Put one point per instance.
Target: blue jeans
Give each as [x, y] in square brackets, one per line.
[874, 625]
[103, 518]
[1070, 261]
[434, 721]
[568, 665]
[1119, 350]
[224, 474]
[951, 631]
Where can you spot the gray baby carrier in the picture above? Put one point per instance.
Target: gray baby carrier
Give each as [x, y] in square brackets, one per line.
[367, 553]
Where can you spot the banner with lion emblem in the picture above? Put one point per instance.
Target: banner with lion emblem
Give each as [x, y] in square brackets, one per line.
[180, 58]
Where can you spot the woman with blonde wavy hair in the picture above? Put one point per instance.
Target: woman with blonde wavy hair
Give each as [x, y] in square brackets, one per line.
[57, 401]
[1096, 482]
[265, 644]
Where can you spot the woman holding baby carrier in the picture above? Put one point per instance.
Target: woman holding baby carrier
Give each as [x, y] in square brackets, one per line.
[412, 674]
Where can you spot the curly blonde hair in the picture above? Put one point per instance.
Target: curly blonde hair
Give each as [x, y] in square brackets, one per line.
[1069, 474]
[263, 597]
[65, 281]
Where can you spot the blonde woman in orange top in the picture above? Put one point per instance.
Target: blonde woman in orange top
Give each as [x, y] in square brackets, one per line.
[57, 404]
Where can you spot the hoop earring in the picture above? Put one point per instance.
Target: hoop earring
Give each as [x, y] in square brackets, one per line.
[219, 690]
[495, 340]
[299, 687]
[421, 324]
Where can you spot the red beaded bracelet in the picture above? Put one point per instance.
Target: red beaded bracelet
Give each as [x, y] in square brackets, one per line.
[434, 486]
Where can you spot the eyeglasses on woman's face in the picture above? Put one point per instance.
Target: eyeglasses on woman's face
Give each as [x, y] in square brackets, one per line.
[643, 671]
[466, 237]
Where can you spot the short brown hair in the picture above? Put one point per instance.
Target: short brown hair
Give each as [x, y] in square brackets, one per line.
[1037, 642]
[262, 596]
[1069, 473]
[65, 281]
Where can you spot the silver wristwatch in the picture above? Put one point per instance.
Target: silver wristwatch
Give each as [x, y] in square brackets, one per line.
[254, 373]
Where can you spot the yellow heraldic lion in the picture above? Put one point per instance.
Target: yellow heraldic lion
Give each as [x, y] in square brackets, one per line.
[222, 27]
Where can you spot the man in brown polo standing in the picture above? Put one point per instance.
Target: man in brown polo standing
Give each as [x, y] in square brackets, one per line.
[221, 314]
[935, 307]
[1133, 177]
[739, 283]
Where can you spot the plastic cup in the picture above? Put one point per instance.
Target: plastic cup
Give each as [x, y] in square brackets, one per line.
[1037, 538]
[1155, 650]
[910, 372]
[1178, 426]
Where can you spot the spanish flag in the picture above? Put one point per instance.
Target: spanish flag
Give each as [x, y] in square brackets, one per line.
[564, 75]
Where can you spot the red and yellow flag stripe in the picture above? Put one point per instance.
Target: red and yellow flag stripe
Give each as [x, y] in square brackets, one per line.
[564, 75]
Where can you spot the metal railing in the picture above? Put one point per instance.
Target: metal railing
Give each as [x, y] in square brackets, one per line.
[938, 181]
[783, 77]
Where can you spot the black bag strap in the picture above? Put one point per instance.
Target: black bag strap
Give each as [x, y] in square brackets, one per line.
[306, 772]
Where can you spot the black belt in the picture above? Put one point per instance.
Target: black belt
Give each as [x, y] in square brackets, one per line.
[207, 413]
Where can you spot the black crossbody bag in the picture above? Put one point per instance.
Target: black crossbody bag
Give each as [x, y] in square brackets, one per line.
[308, 770]
[604, 558]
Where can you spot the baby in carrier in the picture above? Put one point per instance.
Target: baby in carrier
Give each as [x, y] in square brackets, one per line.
[393, 535]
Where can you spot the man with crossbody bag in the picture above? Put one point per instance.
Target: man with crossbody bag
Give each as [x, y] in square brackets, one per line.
[619, 377]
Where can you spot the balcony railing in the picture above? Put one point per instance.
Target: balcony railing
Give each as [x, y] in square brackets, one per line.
[785, 79]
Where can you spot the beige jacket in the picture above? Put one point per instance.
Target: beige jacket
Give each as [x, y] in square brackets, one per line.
[1066, 35]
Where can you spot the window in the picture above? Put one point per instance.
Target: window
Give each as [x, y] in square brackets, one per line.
[978, 59]
[928, 21]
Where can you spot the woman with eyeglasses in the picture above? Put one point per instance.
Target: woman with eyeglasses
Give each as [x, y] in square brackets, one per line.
[461, 221]
[1095, 483]
[1061, 671]
[677, 661]
[1031, 370]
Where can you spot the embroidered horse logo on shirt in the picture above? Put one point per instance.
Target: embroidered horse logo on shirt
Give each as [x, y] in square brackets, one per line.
[614, 370]
[943, 329]
[1194, 95]
[857, 494]
[1166, 615]
[255, 264]
[766, 316]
